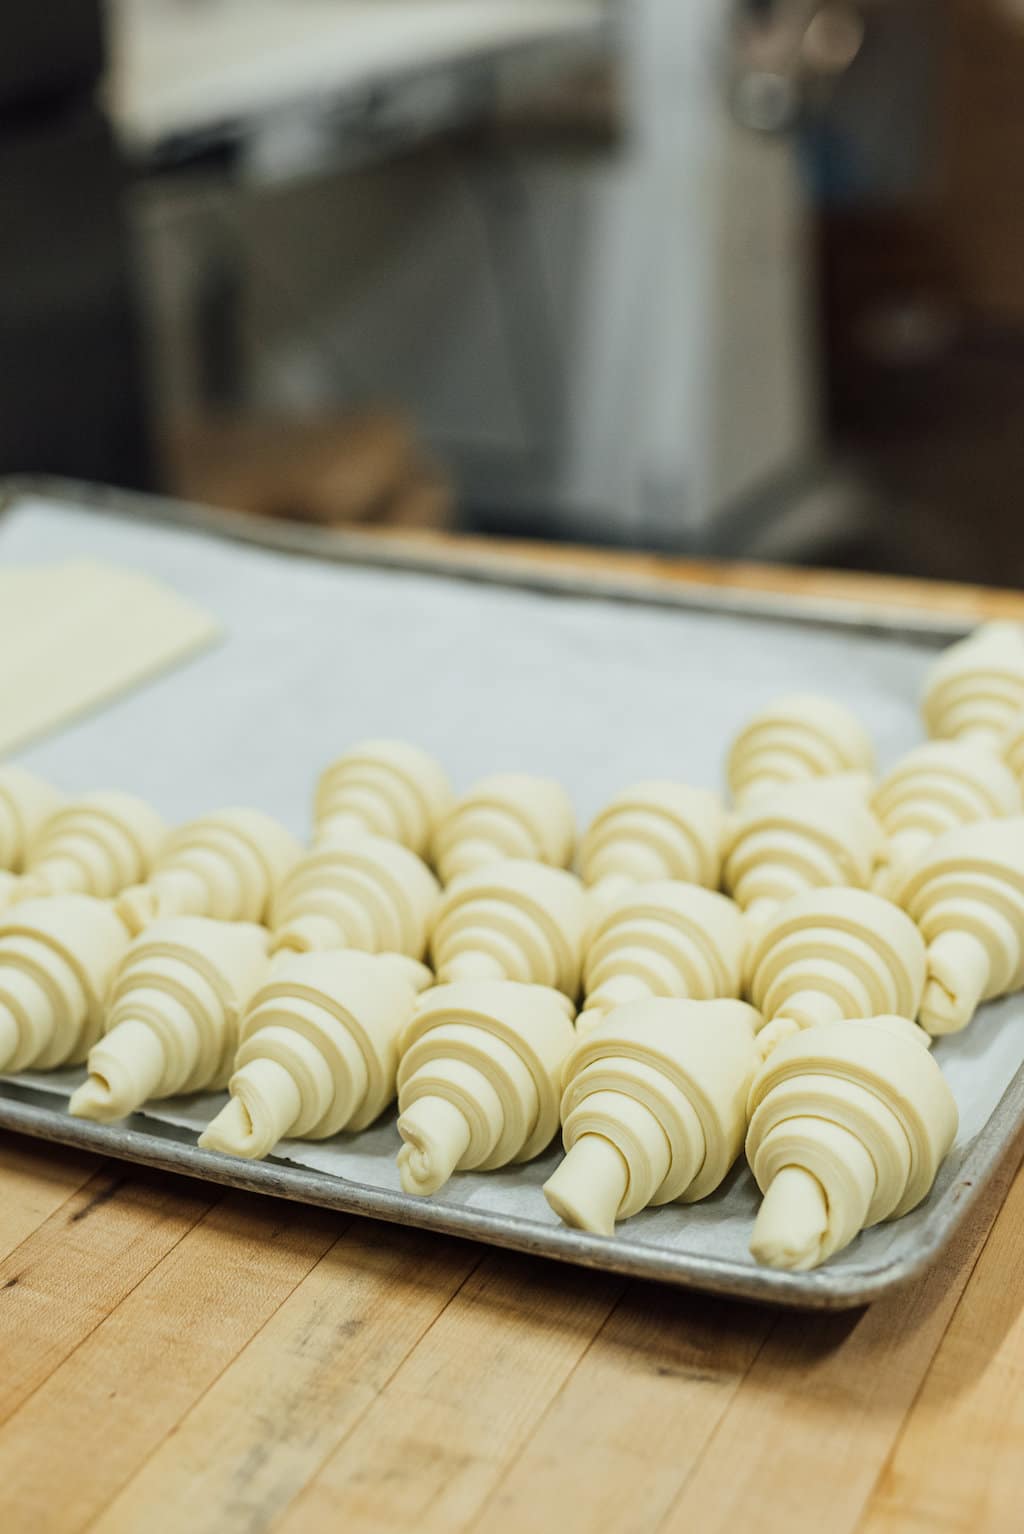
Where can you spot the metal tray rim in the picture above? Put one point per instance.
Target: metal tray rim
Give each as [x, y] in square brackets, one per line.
[168, 1148]
[355, 548]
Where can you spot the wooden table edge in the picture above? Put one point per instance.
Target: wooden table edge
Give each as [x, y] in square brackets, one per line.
[857, 588]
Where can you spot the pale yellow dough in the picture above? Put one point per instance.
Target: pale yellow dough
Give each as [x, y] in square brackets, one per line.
[386, 787]
[512, 921]
[507, 815]
[26, 805]
[318, 1050]
[832, 954]
[57, 960]
[653, 1109]
[966, 893]
[479, 1077]
[172, 1020]
[796, 738]
[367, 893]
[804, 836]
[227, 865]
[96, 845]
[662, 939]
[84, 633]
[934, 788]
[849, 1123]
[976, 687]
[654, 830]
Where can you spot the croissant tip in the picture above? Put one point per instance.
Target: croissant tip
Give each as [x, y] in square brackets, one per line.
[792, 1223]
[586, 1189]
[436, 1136]
[941, 1012]
[783, 1256]
[96, 1099]
[232, 1132]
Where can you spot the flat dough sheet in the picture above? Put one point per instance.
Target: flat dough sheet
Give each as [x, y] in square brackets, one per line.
[75, 635]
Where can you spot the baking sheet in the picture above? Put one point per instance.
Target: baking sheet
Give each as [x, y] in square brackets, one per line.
[591, 691]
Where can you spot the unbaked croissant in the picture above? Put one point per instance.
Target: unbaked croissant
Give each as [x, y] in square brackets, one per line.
[26, 804]
[653, 1109]
[172, 1020]
[966, 893]
[507, 815]
[368, 893]
[654, 830]
[849, 1123]
[662, 939]
[831, 954]
[935, 787]
[976, 687]
[795, 738]
[804, 836]
[479, 1077]
[227, 865]
[96, 845]
[511, 921]
[386, 787]
[318, 1050]
[57, 959]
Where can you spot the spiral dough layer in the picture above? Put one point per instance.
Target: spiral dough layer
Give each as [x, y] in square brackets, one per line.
[832, 954]
[939, 786]
[227, 865]
[653, 1109]
[369, 894]
[796, 738]
[508, 815]
[806, 836]
[654, 830]
[318, 1050]
[386, 787]
[57, 959]
[966, 893]
[849, 1123]
[662, 939]
[479, 1078]
[1013, 749]
[512, 921]
[26, 805]
[976, 687]
[96, 845]
[172, 1021]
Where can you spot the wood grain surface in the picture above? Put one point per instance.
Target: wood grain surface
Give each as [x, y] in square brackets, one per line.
[181, 1358]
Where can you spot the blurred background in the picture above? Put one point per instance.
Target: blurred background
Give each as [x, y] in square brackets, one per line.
[734, 277]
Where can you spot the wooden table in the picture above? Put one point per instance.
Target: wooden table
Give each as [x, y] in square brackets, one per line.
[177, 1357]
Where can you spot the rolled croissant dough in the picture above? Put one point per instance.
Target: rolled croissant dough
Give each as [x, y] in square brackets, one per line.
[80, 633]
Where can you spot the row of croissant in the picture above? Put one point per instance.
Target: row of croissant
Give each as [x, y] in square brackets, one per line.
[844, 1125]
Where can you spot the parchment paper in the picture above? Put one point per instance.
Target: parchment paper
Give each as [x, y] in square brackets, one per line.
[594, 692]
